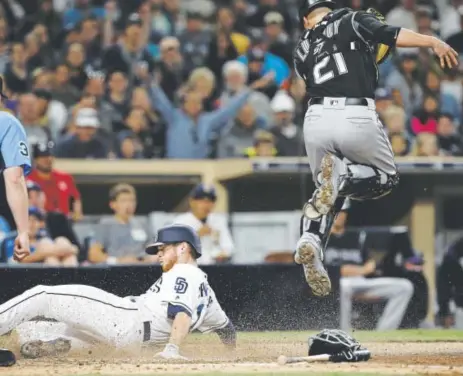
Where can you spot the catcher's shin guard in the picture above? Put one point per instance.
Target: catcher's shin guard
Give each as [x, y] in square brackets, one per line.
[367, 182]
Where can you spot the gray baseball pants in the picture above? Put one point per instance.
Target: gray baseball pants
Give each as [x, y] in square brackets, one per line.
[351, 132]
[397, 292]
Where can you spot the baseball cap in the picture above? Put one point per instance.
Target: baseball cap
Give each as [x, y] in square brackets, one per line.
[87, 117]
[282, 102]
[273, 18]
[194, 15]
[174, 234]
[36, 212]
[43, 149]
[256, 54]
[134, 19]
[33, 186]
[202, 191]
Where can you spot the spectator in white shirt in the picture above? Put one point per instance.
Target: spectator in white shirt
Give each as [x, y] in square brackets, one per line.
[216, 240]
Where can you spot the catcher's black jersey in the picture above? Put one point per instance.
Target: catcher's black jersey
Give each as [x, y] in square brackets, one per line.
[336, 57]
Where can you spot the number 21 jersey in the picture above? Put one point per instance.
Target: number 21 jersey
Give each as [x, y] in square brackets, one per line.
[334, 59]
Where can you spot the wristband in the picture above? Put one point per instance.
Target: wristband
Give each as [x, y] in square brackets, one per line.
[111, 260]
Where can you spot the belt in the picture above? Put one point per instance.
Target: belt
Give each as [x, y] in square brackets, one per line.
[348, 102]
[146, 331]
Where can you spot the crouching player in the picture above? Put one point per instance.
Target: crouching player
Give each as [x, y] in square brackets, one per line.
[179, 302]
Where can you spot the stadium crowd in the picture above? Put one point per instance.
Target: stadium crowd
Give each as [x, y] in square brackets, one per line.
[204, 79]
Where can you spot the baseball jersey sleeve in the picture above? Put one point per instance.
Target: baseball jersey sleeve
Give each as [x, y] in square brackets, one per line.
[13, 144]
[369, 28]
[215, 318]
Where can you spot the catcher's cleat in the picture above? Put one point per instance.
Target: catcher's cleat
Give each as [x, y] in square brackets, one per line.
[324, 197]
[310, 255]
[39, 349]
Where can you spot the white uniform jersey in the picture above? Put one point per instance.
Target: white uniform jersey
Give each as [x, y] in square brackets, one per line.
[183, 288]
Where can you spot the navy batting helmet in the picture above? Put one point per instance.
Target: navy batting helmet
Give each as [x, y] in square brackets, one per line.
[308, 6]
[174, 234]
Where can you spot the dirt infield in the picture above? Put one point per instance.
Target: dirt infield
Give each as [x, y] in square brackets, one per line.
[254, 355]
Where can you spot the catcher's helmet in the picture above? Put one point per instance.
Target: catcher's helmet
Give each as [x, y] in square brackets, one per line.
[308, 6]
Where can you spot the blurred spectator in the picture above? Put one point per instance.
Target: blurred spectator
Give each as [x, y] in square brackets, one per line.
[128, 146]
[89, 36]
[239, 136]
[62, 90]
[120, 239]
[400, 144]
[82, 9]
[277, 40]
[116, 98]
[447, 103]
[383, 100]
[297, 91]
[216, 241]
[140, 133]
[189, 129]
[130, 55]
[242, 9]
[16, 75]
[403, 15]
[226, 23]
[57, 223]
[221, 51]
[425, 119]
[264, 145]
[288, 136]
[261, 62]
[235, 75]
[202, 82]
[194, 41]
[447, 136]
[28, 113]
[256, 20]
[4, 45]
[171, 67]
[58, 252]
[394, 118]
[58, 186]
[455, 40]
[75, 59]
[451, 84]
[424, 22]
[176, 16]
[84, 143]
[425, 145]
[53, 114]
[160, 24]
[449, 17]
[405, 80]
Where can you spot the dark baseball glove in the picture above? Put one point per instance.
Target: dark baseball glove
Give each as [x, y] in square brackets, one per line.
[341, 346]
[381, 50]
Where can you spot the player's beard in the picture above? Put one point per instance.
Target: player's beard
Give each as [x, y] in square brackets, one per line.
[167, 265]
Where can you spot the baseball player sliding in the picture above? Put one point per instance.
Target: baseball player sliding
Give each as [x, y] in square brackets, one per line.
[349, 153]
[180, 302]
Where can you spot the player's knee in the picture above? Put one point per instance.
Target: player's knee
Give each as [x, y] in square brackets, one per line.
[406, 287]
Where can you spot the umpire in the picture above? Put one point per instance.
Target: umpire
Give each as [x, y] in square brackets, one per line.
[349, 154]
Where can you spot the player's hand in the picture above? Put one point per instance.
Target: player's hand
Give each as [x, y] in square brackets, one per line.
[447, 55]
[369, 267]
[21, 247]
[170, 352]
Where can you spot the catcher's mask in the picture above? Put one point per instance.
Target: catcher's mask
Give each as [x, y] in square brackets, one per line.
[308, 6]
[380, 50]
[332, 341]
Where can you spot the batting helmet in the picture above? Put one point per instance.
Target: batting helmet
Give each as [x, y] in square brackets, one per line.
[174, 234]
[308, 6]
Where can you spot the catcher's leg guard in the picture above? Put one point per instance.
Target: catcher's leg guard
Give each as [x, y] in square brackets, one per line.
[366, 182]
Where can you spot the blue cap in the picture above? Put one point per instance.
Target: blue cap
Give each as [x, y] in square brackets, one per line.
[202, 191]
[174, 234]
[36, 212]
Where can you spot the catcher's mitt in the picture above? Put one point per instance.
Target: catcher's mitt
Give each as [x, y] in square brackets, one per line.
[381, 50]
[339, 344]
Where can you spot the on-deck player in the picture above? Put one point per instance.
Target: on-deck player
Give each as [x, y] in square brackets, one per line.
[179, 302]
[349, 153]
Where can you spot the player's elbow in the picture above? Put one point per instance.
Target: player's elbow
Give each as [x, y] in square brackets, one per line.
[14, 175]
